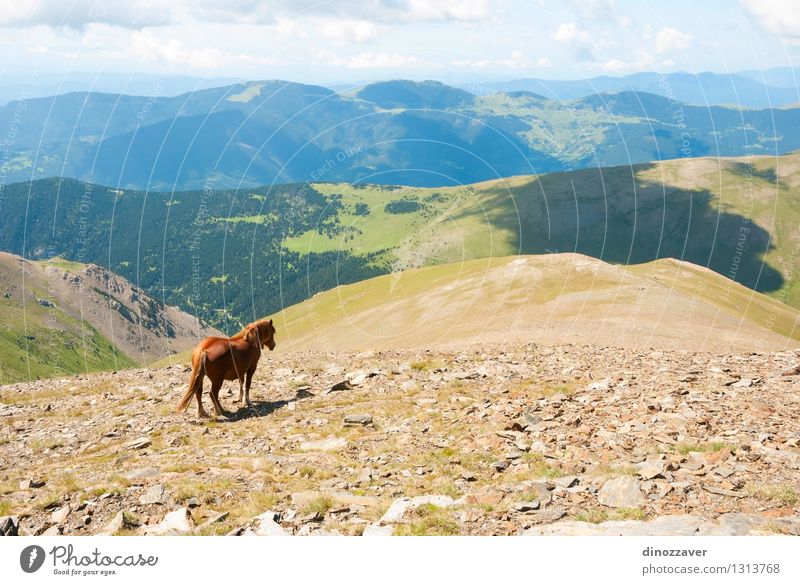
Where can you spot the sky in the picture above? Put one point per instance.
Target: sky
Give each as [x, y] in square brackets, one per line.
[349, 41]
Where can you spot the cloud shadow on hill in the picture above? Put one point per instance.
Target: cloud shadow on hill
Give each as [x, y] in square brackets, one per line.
[615, 215]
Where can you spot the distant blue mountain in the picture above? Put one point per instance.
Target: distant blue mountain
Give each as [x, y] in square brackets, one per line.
[415, 133]
[746, 89]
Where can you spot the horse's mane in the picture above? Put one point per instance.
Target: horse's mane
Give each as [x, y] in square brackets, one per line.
[250, 332]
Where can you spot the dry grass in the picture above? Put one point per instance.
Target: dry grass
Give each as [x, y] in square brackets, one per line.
[711, 447]
[779, 493]
[425, 365]
[319, 505]
[429, 520]
[598, 515]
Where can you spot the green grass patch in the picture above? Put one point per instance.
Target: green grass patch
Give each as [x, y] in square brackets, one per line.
[429, 520]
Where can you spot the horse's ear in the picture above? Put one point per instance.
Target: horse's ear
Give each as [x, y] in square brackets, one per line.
[270, 321]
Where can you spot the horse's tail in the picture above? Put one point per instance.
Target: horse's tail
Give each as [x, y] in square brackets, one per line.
[195, 382]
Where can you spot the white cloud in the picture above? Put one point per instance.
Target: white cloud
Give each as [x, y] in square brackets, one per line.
[569, 31]
[544, 62]
[381, 61]
[348, 31]
[781, 17]
[670, 39]
[137, 14]
[148, 47]
[615, 66]
[77, 13]
[516, 60]
[366, 60]
[440, 10]
[288, 28]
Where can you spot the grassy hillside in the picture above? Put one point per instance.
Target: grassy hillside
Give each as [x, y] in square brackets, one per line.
[61, 317]
[556, 298]
[40, 340]
[232, 256]
[738, 217]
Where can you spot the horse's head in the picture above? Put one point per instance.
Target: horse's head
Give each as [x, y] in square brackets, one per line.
[266, 333]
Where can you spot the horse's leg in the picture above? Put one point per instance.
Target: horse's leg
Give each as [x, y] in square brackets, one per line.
[215, 388]
[241, 391]
[198, 393]
[248, 381]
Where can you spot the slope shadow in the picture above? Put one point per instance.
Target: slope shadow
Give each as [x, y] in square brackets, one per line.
[615, 215]
[768, 174]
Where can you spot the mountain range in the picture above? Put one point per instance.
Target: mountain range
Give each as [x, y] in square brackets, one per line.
[747, 89]
[229, 256]
[394, 132]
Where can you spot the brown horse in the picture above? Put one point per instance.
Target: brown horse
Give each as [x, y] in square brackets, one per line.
[227, 358]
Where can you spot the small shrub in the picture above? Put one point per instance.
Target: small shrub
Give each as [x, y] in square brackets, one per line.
[402, 206]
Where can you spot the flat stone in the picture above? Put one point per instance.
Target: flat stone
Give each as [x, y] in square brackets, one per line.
[546, 516]
[743, 383]
[732, 524]
[175, 523]
[376, 530]
[651, 469]
[678, 525]
[712, 489]
[141, 443]
[60, 515]
[621, 492]
[527, 506]
[341, 386]
[566, 481]
[358, 419]
[54, 530]
[117, 523]
[268, 525]
[332, 444]
[400, 506]
[154, 495]
[358, 378]
[724, 471]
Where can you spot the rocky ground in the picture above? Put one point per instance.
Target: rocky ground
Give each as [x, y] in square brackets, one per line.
[492, 440]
